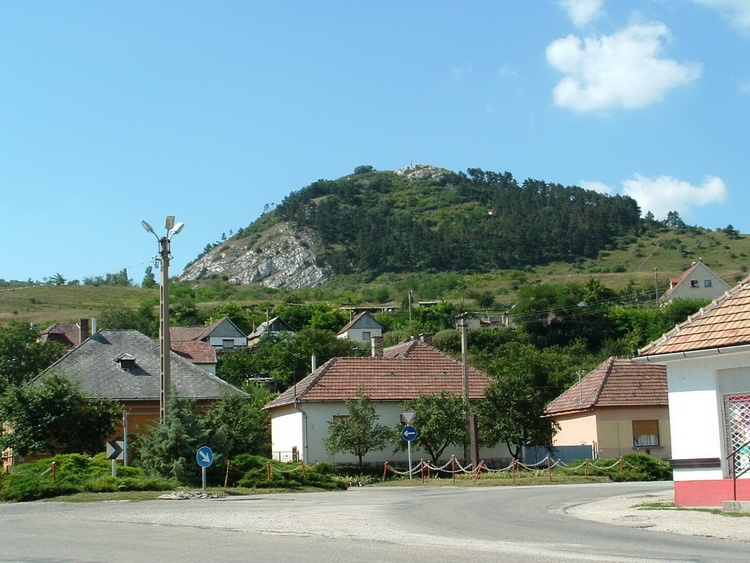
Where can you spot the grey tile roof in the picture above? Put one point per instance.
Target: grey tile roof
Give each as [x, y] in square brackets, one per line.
[94, 365]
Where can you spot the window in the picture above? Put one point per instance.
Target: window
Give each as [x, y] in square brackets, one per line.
[227, 343]
[707, 283]
[340, 418]
[645, 433]
[693, 283]
[365, 336]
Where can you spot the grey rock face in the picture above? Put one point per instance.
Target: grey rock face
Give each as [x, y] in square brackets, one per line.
[279, 257]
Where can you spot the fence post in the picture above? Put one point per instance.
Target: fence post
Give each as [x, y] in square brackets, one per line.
[513, 469]
[268, 471]
[385, 469]
[622, 462]
[54, 471]
[586, 472]
[453, 466]
[421, 469]
[549, 467]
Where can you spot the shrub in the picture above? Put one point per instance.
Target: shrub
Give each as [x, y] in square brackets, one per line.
[254, 471]
[635, 467]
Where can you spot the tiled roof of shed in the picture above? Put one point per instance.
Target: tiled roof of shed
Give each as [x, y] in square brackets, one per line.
[725, 322]
[196, 351]
[405, 372]
[93, 364]
[617, 382]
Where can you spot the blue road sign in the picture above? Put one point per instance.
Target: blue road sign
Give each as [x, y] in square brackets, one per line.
[205, 456]
[408, 433]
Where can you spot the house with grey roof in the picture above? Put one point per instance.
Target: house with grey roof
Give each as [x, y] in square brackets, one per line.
[697, 282]
[274, 326]
[707, 358]
[620, 407]
[125, 366]
[361, 329]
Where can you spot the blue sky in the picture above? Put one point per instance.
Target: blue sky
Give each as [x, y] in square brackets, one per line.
[114, 112]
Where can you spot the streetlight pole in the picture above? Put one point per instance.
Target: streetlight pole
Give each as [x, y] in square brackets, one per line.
[471, 420]
[164, 344]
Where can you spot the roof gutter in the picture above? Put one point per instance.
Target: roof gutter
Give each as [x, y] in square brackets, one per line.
[661, 358]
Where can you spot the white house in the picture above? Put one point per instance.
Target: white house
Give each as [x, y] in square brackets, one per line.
[223, 335]
[697, 282]
[361, 329]
[708, 374]
[300, 416]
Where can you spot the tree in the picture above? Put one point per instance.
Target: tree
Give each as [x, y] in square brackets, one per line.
[142, 319]
[52, 414]
[512, 412]
[357, 434]
[149, 279]
[22, 356]
[440, 422]
[242, 421]
[168, 449]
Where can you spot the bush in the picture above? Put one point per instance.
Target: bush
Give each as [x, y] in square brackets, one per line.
[254, 471]
[635, 467]
[74, 473]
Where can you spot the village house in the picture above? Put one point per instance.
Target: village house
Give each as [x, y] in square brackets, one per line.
[391, 376]
[271, 327]
[361, 329]
[708, 372]
[697, 282]
[222, 335]
[620, 407]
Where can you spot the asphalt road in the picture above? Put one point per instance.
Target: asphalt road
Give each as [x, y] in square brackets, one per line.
[373, 524]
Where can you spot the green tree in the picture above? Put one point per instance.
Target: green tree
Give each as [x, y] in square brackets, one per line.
[168, 449]
[359, 433]
[51, 414]
[149, 279]
[143, 319]
[242, 421]
[440, 422]
[22, 356]
[512, 412]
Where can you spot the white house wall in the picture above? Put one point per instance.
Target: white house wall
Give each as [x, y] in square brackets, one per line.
[696, 389]
[286, 429]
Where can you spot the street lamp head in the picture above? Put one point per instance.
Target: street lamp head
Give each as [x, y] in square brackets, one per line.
[177, 228]
[148, 227]
[169, 223]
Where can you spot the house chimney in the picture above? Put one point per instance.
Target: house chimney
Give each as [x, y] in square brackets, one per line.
[426, 339]
[84, 330]
[377, 346]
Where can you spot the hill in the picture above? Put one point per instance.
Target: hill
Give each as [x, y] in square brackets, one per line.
[419, 219]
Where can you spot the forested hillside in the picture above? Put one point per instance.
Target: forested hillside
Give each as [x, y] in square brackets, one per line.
[429, 219]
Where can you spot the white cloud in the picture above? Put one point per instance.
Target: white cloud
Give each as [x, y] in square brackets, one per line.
[736, 11]
[600, 187]
[622, 70]
[664, 194]
[582, 12]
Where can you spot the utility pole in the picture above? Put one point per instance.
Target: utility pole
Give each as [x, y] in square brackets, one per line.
[471, 418]
[164, 343]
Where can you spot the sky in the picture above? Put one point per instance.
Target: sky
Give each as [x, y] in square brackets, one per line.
[117, 112]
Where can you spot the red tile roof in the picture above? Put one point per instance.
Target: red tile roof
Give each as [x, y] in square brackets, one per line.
[197, 351]
[404, 372]
[617, 382]
[725, 322]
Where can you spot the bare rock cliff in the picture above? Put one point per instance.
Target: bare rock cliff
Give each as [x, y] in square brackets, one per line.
[278, 257]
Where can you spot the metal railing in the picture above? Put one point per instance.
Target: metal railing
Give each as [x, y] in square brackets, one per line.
[733, 457]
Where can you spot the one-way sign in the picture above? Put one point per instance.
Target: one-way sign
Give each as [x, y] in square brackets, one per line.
[115, 449]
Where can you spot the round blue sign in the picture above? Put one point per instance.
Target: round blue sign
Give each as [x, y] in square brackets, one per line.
[205, 456]
[408, 433]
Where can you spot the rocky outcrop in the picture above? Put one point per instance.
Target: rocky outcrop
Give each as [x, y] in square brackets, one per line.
[277, 257]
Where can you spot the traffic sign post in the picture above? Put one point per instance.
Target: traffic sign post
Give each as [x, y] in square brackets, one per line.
[409, 433]
[115, 451]
[204, 457]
